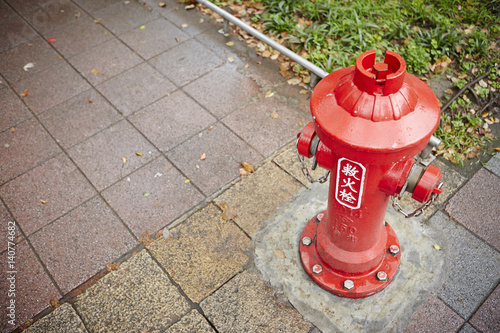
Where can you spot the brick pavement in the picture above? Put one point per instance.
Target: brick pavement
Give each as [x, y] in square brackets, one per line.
[104, 150]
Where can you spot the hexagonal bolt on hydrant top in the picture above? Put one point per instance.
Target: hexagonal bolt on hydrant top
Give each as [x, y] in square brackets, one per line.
[372, 125]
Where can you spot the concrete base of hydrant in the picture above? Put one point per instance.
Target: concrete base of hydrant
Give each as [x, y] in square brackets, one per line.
[387, 311]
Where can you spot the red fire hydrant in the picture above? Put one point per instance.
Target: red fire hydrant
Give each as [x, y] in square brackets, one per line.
[371, 124]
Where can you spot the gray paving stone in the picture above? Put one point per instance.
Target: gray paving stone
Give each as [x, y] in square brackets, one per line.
[477, 206]
[494, 164]
[247, 304]
[487, 317]
[134, 89]
[257, 197]
[472, 267]
[61, 320]
[434, 316]
[186, 62]
[194, 22]
[192, 322]
[55, 14]
[468, 328]
[138, 297]
[123, 16]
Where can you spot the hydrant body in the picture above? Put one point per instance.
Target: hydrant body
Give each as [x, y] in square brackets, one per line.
[370, 121]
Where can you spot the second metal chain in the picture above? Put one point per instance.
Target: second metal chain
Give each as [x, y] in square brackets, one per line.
[306, 173]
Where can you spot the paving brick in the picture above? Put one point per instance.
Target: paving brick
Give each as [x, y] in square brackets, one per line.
[171, 120]
[51, 87]
[434, 316]
[487, 317]
[468, 328]
[472, 267]
[258, 196]
[288, 160]
[33, 287]
[61, 320]
[494, 164]
[22, 150]
[12, 110]
[55, 14]
[224, 152]
[94, 235]
[266, 125]
[202, 253]
[101, 156]
[38, 52]
[79, 36]
[79, 118]
[6, 12]
[137, 297]
[15, 31]
[105, 61]
[124, 16]
[136, 88]
[477, 207]
[223, 90]
[196, 22]
[192, 322]
[9, 231]
[247, 304]
[95, 5]
[156, 36]
[186, 62]
[152, 197]
[57, 181]
[27, 6]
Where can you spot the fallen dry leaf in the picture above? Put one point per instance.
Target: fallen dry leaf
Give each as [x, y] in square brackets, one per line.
[437, 247]
[203, 156]
[294, 81]
[184, 25]
[142, 27]
[44, 201]
[186, 181]
[303, 91]
[28, 66]
[24, 93]
[211, 128]
[138, 153]
[89, 102]
[162, 4]
[275, 56]
[51, 40]
[230, 59]
[243, 172]
[270, 93]
[12, 129]
[248, 167]
[188, 7]
[230, 43]
[54, 304]
[228, 213]
[497, 148]
[97, 21]
[266, 54]
[124, 159]
[449, 91]
[113, 266]
[274, 115]
[145, 194]
[95, 72]
[279, 254]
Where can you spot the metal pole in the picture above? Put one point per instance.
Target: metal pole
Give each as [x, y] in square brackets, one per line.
[283, 50]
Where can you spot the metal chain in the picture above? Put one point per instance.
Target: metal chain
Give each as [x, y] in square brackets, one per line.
[306, 173]
[419, 211]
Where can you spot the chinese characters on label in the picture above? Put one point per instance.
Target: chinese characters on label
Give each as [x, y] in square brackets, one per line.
[350, 179]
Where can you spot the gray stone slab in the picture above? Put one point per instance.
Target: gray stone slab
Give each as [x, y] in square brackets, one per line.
[387, 311]
[192, 322]
[468, 328]
[247, 304]
[487, 317]
[477, 206]
[434, 316]
[472, 267]
[494, 164]
[138, 297]
[61, 320]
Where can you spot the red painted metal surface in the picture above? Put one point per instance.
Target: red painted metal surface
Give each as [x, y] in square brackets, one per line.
[371, 120]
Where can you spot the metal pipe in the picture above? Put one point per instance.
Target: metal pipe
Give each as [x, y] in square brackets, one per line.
[283, 50]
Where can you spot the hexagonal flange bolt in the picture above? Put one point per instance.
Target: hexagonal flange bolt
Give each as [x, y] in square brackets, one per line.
[316, 269]
[394, 249]
[348, 284]
[306, 241]
[319, 217]
[382, 276]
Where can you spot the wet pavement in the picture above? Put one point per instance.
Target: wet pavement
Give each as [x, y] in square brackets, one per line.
[119, 119]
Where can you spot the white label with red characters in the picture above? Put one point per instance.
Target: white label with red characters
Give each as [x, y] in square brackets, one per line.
[350, 180]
